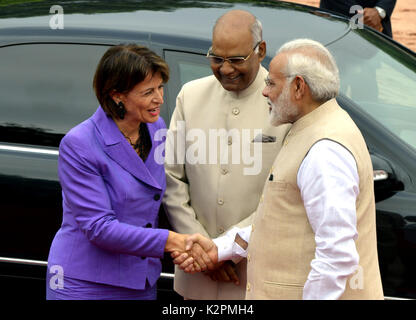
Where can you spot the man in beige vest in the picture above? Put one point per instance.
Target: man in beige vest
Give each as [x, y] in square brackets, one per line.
[228, 149]
[314, 232]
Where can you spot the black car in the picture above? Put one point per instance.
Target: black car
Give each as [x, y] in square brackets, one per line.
[47, 62]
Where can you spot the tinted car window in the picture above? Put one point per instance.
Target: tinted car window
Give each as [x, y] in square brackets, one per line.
[381, 80]
[184, 67]
[46, 89]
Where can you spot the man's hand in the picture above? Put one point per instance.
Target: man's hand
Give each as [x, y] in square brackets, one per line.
[372, 18]
[224, 272]
[201, 254]
[206, 244]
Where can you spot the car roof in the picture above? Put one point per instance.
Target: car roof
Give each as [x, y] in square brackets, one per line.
[155, 21]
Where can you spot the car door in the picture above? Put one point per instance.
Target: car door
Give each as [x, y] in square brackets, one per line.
[378, 89]
[46, 89]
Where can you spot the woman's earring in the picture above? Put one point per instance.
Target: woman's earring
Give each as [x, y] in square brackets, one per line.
[121, 110]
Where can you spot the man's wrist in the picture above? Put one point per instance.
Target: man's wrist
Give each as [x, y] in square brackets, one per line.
[224, 248]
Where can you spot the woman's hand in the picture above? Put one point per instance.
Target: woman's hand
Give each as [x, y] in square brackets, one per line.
[190, 256]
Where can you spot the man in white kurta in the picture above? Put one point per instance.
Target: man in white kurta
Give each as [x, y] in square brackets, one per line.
[223, 147]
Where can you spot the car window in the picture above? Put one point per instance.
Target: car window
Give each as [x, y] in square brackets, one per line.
[46, 89]
[184, 67]
[379, 79]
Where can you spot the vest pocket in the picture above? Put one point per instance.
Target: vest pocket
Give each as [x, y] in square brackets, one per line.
[284, 291]
[277, 185]
[274, 191]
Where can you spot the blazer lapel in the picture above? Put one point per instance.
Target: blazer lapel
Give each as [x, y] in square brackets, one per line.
[119, 150]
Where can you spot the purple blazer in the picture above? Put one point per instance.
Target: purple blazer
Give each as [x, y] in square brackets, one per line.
[111, 200]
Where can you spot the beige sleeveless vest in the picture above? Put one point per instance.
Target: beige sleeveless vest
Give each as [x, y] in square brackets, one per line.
[282, 243]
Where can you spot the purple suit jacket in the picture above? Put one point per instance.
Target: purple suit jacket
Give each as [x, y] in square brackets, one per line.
[111, 200]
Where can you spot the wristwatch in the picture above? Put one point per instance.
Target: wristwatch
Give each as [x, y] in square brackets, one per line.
[381, 12]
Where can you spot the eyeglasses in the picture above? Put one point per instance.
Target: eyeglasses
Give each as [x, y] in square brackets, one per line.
[270, 83]
[233, 60]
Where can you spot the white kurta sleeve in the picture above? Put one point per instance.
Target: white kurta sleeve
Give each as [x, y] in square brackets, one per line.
[329, 184]
[228, 249]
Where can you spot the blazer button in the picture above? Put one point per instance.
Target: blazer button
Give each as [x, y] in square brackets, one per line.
[149, 225]
[156, 197]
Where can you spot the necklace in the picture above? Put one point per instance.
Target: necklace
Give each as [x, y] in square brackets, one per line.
[143, 144]
[134, 145]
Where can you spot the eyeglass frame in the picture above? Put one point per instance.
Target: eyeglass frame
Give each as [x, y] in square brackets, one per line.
[239, 58]
[269, 82]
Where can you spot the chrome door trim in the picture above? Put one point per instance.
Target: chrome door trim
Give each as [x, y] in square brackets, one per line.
[167, 275]
[395, 298]
[24, 261]
[26, 149]
[45, 263]
[379, 175]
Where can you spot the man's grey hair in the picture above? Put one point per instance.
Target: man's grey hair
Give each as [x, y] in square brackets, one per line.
[257, 33]
[311, 60]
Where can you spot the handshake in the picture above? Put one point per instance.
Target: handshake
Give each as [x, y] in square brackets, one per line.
[196, 253]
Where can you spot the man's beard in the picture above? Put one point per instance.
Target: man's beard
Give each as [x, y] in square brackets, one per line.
[283, 111]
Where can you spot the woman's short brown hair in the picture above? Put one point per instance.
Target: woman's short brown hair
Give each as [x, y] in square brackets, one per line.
[121, 68]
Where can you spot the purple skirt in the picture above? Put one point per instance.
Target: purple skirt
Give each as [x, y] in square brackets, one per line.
[76, 289]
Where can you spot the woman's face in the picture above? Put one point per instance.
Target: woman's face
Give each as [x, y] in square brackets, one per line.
[143, 102]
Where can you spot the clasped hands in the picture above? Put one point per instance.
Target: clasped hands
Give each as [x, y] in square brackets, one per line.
[200, 254]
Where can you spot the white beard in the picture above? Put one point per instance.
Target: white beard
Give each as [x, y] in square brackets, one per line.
[283, 111]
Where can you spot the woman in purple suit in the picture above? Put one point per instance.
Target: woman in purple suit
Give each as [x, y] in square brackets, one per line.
[109, 246]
